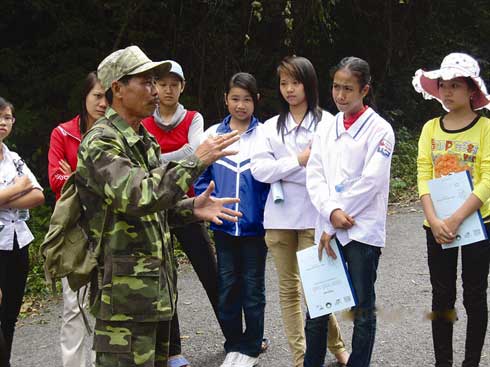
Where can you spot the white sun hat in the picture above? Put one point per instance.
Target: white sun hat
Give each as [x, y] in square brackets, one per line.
[454, 65]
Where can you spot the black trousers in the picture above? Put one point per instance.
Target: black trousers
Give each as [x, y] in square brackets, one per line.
[442, 267]
[14, 267]
[196, 244]
[3, 351]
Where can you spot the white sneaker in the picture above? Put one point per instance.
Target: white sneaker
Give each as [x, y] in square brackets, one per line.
[245, 361]
[230, 359]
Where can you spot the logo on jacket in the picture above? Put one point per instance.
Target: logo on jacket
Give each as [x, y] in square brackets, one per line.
[385, 147]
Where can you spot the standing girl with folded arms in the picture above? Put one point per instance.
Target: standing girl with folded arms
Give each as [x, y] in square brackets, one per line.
[240, 246]
[19, 190]
[348, 177]
[281, 154]
[458, 140]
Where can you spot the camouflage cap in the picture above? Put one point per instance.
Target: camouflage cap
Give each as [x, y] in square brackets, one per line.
[128, 61]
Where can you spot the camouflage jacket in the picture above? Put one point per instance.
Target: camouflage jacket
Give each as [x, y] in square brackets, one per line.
[120, 171]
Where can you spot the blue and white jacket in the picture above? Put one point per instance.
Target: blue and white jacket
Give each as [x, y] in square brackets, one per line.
[232, 178]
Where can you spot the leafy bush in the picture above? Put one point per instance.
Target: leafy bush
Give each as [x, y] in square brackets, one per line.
[38, 224]
[404, 167]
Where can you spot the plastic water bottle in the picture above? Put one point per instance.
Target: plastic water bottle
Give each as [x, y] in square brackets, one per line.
[345, 184]
[22, 214]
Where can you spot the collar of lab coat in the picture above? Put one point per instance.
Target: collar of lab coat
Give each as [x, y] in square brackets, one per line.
[308, 123]
[355, 130]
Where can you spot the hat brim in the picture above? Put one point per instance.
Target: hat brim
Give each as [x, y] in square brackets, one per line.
[427, 83]
[159, 67]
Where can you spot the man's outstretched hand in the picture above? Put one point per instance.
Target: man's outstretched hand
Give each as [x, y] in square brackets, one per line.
[211, 209]
[213, 148]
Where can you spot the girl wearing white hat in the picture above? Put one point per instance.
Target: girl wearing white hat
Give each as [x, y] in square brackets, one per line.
[456, 141]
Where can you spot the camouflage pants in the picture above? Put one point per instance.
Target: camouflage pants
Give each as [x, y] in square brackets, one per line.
[129, 344]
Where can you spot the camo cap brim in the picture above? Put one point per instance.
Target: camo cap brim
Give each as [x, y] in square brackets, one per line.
[128, 61]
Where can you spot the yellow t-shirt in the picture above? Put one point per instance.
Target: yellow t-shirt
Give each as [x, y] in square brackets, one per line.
[442, 152]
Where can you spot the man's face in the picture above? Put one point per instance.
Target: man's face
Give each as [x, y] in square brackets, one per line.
[139, 96]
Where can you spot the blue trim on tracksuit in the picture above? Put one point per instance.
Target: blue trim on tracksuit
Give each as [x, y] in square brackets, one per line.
[229, 171]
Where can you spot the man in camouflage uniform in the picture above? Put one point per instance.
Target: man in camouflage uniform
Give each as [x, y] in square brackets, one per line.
[129, 198]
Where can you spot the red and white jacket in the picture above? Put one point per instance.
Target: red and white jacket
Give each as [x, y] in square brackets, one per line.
[64, 143]
[174, 139]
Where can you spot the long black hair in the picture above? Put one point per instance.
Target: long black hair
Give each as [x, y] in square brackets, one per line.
[361, 70]
[4, 104]
[301, 69]
[89, 83]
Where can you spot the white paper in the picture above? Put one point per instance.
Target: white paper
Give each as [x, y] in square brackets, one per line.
[448, 193]
[326, 283]
[277, 193]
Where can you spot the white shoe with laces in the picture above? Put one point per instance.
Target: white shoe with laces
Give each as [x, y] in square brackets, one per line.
[230, 359]
[245, 361]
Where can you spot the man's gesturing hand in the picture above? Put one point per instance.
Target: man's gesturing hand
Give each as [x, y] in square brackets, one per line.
[213, 147]
[211, 209]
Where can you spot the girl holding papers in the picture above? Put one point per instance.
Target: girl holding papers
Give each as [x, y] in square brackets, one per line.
[348, 176]
[281, 154]
[459, 140]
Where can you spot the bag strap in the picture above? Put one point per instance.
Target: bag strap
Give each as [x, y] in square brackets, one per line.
[82, 311]
[97, 251]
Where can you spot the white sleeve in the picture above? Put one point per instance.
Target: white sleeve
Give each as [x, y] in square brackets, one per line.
[267, 168]
[196, 130]
[194, 137]
[375, 176]
[211, 131]
[177, 155]
[317, 183]
[27, 171]
[33, 179]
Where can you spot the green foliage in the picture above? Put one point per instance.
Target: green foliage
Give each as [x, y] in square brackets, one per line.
[404, 167]
[38, 224]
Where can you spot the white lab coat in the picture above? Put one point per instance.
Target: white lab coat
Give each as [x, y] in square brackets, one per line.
[357, 163]
[277, 160]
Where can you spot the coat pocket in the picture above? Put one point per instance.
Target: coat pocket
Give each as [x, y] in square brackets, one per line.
[136, 283]
[111, 338]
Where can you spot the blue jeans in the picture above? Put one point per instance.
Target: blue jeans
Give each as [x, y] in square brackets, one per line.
[362, 261]
[316, 331]
[241, 287]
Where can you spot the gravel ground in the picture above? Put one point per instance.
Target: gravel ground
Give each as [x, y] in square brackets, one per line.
[403, 298]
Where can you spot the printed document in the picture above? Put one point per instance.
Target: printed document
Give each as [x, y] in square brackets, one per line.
[326, 283]
[448, 193]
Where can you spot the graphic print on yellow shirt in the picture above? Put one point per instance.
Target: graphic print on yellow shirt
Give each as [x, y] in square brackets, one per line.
[452, 156]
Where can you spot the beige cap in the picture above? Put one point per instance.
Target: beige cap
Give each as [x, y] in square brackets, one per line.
[128, 61]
